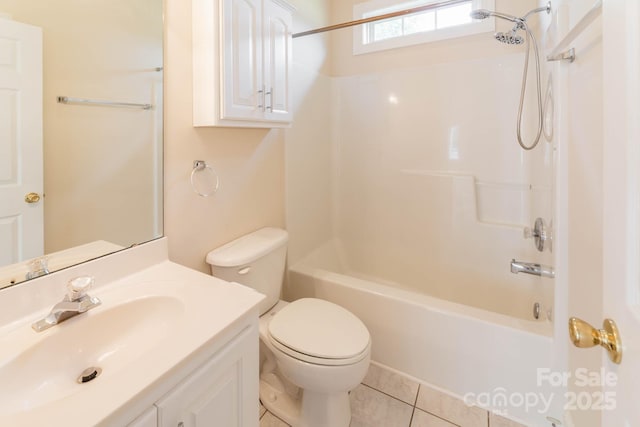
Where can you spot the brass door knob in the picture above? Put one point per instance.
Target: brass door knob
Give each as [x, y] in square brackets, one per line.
[32, 198]
[583, 335]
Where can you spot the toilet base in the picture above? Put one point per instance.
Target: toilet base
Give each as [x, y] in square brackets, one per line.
[313, 409]
[274, 397]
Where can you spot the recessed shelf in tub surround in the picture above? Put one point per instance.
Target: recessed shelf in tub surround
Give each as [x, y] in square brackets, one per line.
[505, 204]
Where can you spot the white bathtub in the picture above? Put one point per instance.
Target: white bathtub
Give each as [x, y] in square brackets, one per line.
[471, 353]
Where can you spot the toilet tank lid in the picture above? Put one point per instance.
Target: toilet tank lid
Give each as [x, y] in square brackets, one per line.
[248, 248]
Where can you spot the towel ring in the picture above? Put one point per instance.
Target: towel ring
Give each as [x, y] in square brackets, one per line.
[210, 184]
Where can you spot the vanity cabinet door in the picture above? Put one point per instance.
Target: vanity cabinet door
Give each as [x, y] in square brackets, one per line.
[148, 418]
[222, 392]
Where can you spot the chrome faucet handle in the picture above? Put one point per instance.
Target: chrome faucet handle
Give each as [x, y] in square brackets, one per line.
[539, 233]
[77, 288]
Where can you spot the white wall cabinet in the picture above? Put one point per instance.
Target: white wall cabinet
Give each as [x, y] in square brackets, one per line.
[242, 63]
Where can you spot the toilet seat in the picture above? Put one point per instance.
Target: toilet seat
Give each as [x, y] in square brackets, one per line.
[319, 332]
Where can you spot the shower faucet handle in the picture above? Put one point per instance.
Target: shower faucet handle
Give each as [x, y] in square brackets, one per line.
[540, 233]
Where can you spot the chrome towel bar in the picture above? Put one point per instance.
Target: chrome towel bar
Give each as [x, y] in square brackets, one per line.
[102, 103]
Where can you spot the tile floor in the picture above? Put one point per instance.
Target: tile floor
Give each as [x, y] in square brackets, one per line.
[388, 399]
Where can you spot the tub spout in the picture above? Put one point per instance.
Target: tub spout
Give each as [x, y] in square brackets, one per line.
[532, 268]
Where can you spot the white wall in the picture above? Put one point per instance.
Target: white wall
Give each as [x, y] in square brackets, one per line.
[250, 162]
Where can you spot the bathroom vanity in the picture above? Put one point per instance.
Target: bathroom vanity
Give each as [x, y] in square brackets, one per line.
[167, 346]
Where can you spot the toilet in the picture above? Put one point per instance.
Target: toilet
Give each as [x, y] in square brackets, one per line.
[312, 352]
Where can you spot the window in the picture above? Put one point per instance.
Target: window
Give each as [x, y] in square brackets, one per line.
[420, 27]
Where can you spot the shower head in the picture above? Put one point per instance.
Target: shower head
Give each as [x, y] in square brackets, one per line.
[510, 37]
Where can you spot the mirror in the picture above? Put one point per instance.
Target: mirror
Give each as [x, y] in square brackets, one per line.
[80, 131]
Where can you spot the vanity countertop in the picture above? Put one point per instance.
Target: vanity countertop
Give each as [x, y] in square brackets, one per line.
[154, 326]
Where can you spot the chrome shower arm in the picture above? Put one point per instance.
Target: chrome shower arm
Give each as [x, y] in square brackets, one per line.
[546, 8]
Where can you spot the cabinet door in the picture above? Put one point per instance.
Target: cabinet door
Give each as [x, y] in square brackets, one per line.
[223, 392]
[278, 24]
[242, 87]
[148, 418]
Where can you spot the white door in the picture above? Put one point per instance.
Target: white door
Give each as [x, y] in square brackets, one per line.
[605, 274]
[21, 165]
[621, 214]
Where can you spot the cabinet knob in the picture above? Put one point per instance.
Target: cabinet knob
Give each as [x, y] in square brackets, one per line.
[180, 424]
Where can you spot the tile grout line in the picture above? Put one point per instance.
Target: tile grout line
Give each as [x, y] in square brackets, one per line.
[387, 394]
[276, 417]
[415, 402]
[415, 407]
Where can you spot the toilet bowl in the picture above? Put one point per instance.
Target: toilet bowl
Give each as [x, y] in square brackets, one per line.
[313, 352]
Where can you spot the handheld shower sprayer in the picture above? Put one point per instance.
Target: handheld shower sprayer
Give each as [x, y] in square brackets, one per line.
[484, 14]
[512, 38]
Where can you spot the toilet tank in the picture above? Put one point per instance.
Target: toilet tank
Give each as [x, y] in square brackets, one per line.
[256, 260]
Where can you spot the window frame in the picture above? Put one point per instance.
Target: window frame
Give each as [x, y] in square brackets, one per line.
[370, 8]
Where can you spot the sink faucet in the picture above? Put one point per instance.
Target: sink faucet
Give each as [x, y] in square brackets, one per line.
[75, 302]
[532, 268]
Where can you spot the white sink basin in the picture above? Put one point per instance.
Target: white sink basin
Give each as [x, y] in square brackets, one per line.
[108, 339]
[150, 326]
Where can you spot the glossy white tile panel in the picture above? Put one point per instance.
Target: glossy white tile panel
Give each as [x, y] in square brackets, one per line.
[426, 158]
[451, 408]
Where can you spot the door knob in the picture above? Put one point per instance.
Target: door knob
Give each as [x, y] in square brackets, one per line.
[32, 198]
[583, 335]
